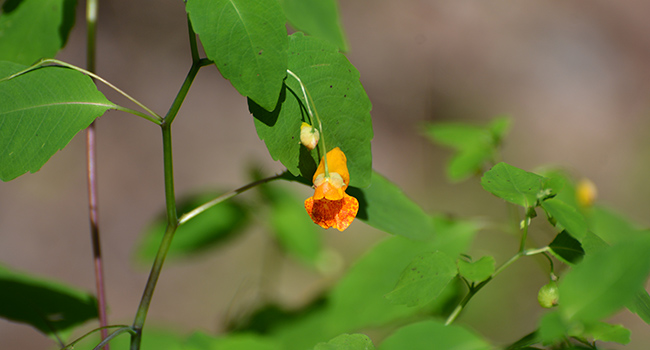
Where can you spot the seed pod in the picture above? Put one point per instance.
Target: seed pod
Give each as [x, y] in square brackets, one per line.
[309, 136]
[548, 295]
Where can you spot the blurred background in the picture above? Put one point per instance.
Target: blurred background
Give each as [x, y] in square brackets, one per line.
[574, 76]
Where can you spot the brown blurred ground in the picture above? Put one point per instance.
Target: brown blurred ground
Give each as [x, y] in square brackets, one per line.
[574, 75]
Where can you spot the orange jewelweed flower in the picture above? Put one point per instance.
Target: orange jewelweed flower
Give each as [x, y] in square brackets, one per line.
[331, 206]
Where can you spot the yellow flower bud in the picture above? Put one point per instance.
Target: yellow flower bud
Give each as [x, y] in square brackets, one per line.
[309, 136]
[586, 192]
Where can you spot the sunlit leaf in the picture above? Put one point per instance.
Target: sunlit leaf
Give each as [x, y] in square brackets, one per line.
[341, 102]
[474, 145]
[34, 29]
[384, 206]
[429, 335]
[514, 185]
[247, 40]
[40, 112]
[423, 279]
[476, 271]
[319, 18]
[50, 307]
[358, 301]
[567, 217]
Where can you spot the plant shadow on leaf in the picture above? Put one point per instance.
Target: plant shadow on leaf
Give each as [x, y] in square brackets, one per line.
[67, 22]
[357, 193]
[10, 5]
[266, 117]
[306, 163]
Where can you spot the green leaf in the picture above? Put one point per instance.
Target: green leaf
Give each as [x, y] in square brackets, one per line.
[552, 328]
[433, 335]
[50, 307]
[423, 279]
[605, 281]
[566, 248]
[40, 112]
[514, 185]
[384, 206]
[202, 341]
[567, 217]
[611, 226]
[608, 332]
[341, 102]
[375, 274]
[247, 40]
[477, 271]
[319, 18]
[292, 227]
[474, 145]
[347, 342]
[207, 230]
[34, 29]
[358, 302]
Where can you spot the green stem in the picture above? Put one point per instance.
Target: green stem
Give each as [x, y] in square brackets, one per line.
[474, 289]
[198, 210]
[172, 225]
[122, 329]
[309, 101]
[524, 233]
[170, 197]
[44, 62]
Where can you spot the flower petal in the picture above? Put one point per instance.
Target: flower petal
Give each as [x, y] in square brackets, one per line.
[336, 163]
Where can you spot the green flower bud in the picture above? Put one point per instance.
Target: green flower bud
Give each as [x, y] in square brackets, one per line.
[548, 295]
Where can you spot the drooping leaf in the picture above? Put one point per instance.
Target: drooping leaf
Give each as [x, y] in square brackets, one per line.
[474, 145]
[247, 40]
[202, 341]
[567, 217]
[433, 335]
[515, 185]
[40, 112]
[384, 206]
[423, 279]
[341, 102]
[477, 271]
[34, 29]
[567, 248]
[50, 307]
[292, 227]
[347, 342]
[319, 18]
[207, 230]
[605, 281]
